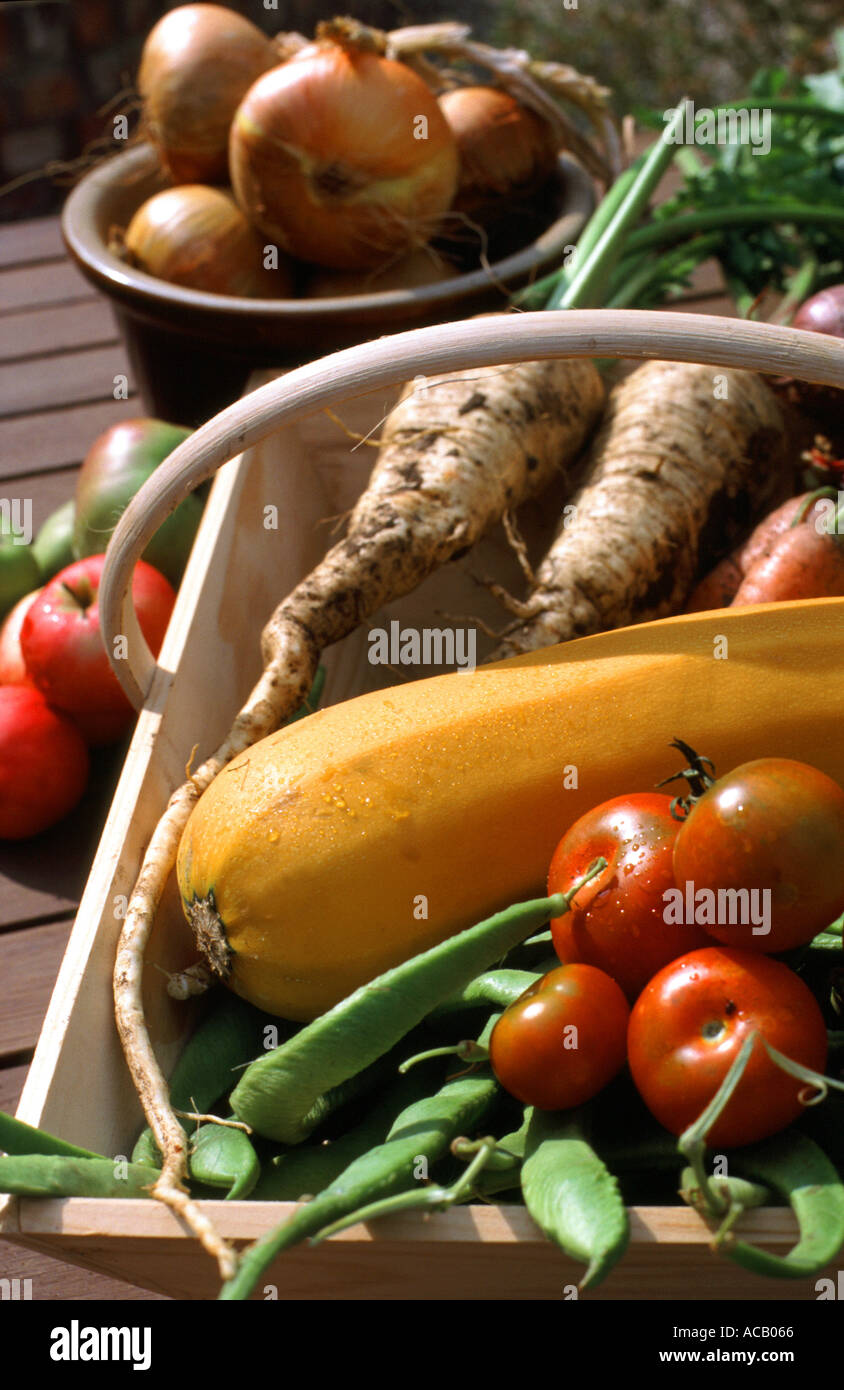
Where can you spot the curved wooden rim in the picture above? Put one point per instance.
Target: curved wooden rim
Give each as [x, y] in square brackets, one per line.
[490, 341]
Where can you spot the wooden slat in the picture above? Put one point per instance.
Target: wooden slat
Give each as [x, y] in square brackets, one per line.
[66, 379]
[42, 878]
[53, 282]
[52, 1279]
[47, 491]
[36, 239]
[29, 963]
[57, 438]
[11, 1085]
[70, 326]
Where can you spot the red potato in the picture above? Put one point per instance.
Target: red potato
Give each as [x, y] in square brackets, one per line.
[802, 563]
[719, 588]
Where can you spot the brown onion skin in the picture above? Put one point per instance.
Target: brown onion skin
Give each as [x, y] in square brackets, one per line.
[324, 160]
[503, 146]
[198, 237]
[197, 63]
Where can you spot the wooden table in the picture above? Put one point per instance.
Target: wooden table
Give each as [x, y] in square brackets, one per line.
[59, 356]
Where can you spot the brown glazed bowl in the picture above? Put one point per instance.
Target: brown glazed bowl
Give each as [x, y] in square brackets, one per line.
[192, 352]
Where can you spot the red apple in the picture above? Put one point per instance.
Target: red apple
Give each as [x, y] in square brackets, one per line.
[12, 665]
[43, 763]
[64, 650]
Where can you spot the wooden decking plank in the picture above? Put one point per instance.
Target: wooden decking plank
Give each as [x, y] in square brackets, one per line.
[46, 491]
[29, 964]
[34, 332]
[53, 1280]
[11, 1085]
[58, 438]
[65, 379]
[48, 282]
[36, 239]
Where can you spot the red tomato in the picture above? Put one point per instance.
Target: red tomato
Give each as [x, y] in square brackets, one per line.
[689, 1023]
[774, 828]
[64, 650]
[43, 763]
[617, 921]
[563, 1040]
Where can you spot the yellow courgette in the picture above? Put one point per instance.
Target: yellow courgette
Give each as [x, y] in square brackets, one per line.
[373, 829]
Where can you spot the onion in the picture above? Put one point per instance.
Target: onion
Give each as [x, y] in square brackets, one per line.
[197, 236]
[411, 272]
[823, 313]
[342, 156]
[504, 148]
[197, 63]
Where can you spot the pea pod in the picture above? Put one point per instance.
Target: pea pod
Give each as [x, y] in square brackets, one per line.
[19, 1138]
[422, 1131]
[499, 988]
[221, 1156]
[228, 1036]
[276, 1093]
[504, 1166]
[571, 1195]
[793, 1166]
[308, 1169]
[57, 1175]
[738, 1194]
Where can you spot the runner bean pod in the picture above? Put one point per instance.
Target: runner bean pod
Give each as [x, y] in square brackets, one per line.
[794, 1167]
[276, 1094]
[571, 1195]
[57, 1175]
[422, 1131]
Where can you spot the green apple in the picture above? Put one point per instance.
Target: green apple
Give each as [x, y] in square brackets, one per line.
[53, 546]
[19, 572]
[116, 466]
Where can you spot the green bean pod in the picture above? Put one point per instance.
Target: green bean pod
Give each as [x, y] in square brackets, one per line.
[503, 1170]
[227, 1037]
[307, 1169]
[736, 1192]
[498, 988]
[48, 1175]
[277, 1093]
[221, 1156]
[793, 1166]
[19, 1138]
[571, 1195]
[420, 1135]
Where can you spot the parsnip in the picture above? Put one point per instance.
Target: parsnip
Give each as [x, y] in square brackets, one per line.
[686, 455]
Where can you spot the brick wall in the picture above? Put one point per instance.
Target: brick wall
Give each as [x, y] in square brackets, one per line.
[63, 61]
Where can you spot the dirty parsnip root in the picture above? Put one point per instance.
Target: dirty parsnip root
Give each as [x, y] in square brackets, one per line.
[457, 454]
[685, 455]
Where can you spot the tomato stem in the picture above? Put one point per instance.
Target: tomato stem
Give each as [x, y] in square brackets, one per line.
[698, 779]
